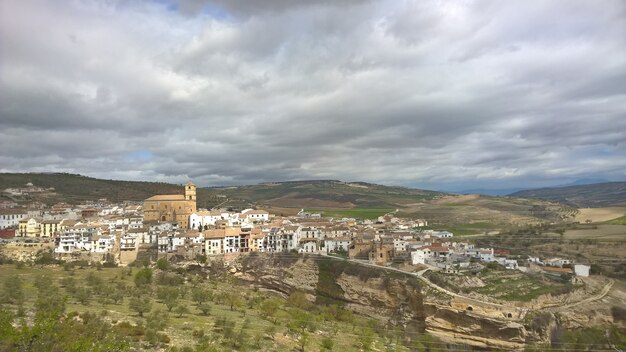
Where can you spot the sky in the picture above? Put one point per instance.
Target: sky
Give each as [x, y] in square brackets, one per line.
[432, 94]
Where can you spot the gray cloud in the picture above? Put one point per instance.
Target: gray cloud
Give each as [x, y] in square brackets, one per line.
[479, 93]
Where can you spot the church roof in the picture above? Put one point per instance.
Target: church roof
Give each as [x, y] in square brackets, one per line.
[167, 197]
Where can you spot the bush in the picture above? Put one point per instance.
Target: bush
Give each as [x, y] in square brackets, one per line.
[162, 264]
[619, 314]
[166, 278]
[140, 305]
[143, 277]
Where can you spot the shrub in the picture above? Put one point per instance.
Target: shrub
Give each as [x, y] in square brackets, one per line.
[143, 277]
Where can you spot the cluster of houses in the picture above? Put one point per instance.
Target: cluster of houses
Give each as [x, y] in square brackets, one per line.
[171, 225]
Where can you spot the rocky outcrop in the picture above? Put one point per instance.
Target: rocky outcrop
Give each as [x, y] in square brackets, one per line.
[394, 298]
[465, 327]
[390, 297]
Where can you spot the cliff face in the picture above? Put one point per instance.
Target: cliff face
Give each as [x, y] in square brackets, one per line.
[396, 299]
[390, 297]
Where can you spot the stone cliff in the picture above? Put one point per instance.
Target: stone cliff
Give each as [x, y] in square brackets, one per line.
[390, 297]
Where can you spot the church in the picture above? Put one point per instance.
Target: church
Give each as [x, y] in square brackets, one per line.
[172, 207]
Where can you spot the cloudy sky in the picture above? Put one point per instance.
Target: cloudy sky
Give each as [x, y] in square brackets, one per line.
[436, 94]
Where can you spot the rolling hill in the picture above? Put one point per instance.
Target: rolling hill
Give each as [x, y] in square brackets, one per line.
[343, 198]
[581, 196]
[328, 194]
[334, 197]
[74, 189]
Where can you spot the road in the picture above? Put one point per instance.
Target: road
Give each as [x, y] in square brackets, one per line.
[605, 291]
[420, 275]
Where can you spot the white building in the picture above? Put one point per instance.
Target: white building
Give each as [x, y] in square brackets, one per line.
[337, 243]
[309, 245]
[581, 270]
[256, 215]
[10, 218]
[419, 256]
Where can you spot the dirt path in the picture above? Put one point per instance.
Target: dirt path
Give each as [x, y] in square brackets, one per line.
[605, 290]
[420, 275]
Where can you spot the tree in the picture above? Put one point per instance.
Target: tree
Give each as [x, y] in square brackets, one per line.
[200, 295]
[366, 339]
[327, 344]
[162, 264]
[169, 296]
[140, 305]
[51, 303]
[205, 308]
[301, 322]
[181, 310]
[95, 282]
[269, 307]
[233, 299]
[157, 320]
[13, 290]
[43, 283]
[69, 283]
[82, 295]
[143, 277]
[298, 299]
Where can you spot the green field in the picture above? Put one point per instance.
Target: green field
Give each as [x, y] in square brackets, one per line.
[357, 213]
[618, 221]
[461, 230]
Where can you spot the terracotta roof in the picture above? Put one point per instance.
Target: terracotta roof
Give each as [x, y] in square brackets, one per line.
[343, 238]
[213, 234]
[556, 269]
[166, 197]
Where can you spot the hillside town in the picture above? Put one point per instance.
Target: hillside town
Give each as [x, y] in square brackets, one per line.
[171, 226]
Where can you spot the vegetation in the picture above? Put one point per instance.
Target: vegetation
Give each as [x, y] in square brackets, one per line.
[618, 221]
[224, 316]
[357, 213]
[581, 196]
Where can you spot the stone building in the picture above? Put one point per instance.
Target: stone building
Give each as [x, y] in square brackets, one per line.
[172, 207]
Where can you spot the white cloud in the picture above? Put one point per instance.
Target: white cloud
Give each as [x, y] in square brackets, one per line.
[403, 92]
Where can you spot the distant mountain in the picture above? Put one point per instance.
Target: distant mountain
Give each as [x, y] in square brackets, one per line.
[582, 196]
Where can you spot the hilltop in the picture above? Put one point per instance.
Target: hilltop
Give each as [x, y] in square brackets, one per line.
[72, 188]
[472, 213]
[581, 196]
[328, 194]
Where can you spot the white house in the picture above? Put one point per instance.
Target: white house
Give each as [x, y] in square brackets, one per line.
[256, 215]
[419, 256]
[309, 245]
[581, 270]
[558, 262]
[486, 255]
[337, 243]
[102, 244]
[208, 218]
[10, 218]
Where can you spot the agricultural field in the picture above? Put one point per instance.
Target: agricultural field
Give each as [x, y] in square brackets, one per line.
[618, 221]
[600, 214]
[180, 310]
[472, 229]
[507, 285]
[605, 232]
[357, 213]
